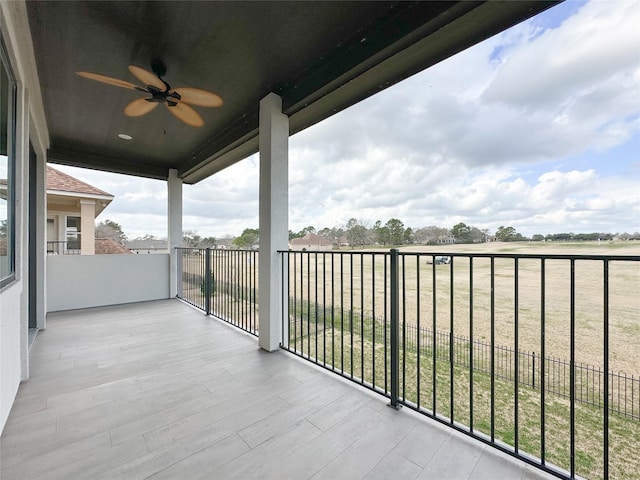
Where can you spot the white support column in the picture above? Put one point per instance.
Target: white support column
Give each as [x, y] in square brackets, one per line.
[41, 241]
[87, 227]
[274, 213]
[174, 213]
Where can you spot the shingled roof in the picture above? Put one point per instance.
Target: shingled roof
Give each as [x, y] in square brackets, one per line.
[107, 246]
[311, 241]
[61, 182]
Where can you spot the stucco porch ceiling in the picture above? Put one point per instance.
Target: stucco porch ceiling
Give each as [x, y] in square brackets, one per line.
[320, 57]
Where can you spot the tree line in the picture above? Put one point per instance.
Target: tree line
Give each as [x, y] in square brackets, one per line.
[358, 234]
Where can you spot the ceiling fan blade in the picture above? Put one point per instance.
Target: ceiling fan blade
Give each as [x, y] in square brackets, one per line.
[147, 78]
[196, 96]
[187, 114]
[108, 80]
[139, 107]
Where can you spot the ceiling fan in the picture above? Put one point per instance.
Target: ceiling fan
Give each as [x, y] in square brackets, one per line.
[177, 100]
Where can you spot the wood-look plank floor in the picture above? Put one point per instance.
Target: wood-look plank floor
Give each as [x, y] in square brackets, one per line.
[157, 390]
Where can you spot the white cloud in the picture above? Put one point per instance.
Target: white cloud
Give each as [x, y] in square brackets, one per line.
[598, 42]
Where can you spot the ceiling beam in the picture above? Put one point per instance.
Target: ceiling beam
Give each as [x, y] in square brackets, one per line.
[105, 163]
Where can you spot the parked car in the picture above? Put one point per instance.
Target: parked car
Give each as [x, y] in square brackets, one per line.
[439, 260]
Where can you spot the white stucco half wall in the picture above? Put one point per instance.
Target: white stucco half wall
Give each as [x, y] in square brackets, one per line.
[10, 370]
[82, 281]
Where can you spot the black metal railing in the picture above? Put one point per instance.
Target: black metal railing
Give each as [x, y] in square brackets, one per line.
[624, 389]
[222, 282]
[63, 248]
[455, 341]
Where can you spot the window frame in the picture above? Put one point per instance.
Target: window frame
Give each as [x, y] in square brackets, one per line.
[11, 165]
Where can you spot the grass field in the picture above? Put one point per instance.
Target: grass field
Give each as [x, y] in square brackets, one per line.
[356, 281]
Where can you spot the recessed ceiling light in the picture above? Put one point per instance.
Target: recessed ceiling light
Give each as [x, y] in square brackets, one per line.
[124, 136]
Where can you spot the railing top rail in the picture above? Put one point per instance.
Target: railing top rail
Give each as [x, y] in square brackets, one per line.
[633, 258]
[340, 252]
[245, 250]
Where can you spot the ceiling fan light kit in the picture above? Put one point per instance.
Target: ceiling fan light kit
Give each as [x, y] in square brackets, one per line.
[176, 100]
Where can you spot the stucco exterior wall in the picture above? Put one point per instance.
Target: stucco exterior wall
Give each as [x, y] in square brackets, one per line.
[82, 281]
[10, 353]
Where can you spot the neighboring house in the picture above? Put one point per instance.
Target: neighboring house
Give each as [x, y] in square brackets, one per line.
[72, 208]
[341, 242]
[107, 246]
[148, 245]
[311, 241]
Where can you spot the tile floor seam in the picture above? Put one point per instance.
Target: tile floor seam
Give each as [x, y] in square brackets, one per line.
[188, 456]
[284, 399]
[237, 434]
[437, 450]
[393, 450]
[483, 451]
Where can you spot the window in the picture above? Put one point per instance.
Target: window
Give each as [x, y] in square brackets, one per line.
[73, 233]
[7, 170]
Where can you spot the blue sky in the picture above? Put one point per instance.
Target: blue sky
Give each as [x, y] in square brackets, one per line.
[537, 128]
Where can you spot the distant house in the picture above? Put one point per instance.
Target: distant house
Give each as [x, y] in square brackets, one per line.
[341, 242]
[72, 208]
[311, 241]
[148, 245]
[107, 246]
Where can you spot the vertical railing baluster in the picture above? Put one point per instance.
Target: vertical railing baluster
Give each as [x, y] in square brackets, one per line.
[451, 343]
[373, 320]
[230, 286]
[362, 318]
[471, 342]
[244, 292]
[255, 324]
[207, 283]
[333, 318]
[606, 368]
[181, 273]
[178, 273]
[385, 323]
[246, 257]
[493, 353]
[342, 313]
[234, 287]
[434, 339]
[215, 268]
[572, 379]
[295, 301]
[284, 295]
[418, 330]
[351, 314]
[238, 274]
[242, 257]
[308, 278]
[516, 365]
[404, 329]
[225, 275]
[394, 286]
[239, 318]
[315, 314]
[203, 271]
[324, 308]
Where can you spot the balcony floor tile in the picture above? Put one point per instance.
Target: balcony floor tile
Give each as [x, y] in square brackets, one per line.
[157, 390]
